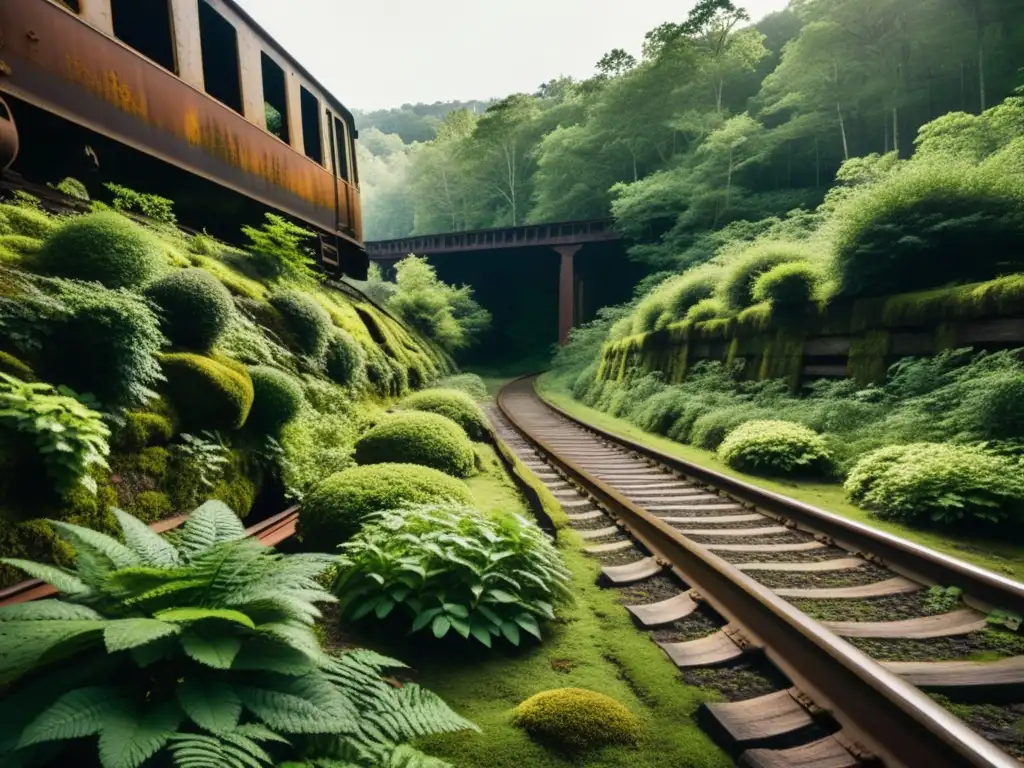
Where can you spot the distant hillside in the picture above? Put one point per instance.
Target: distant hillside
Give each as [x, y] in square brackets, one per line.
[415, 122]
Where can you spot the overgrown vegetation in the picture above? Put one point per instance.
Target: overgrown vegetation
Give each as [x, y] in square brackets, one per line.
[577, 720]
[411, 437]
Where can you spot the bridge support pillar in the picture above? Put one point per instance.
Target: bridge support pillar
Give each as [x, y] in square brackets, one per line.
[566, 291]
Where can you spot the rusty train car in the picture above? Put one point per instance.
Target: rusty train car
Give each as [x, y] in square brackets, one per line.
[191, 99]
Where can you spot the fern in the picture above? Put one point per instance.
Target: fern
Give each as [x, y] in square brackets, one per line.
[212, 523]
[74, 715]
[150, 547]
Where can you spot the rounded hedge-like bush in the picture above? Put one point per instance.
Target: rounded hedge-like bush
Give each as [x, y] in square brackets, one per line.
[26, 221]
[418, 438]
[706, 309]
[775, 448]
[307, 322]
[103, 247]
[999, 406]
[457, 406]
[939, 482]
[792, 283]
[333, 511]
[469, 383]
[345, 359]
[711, 428]
[745, 267]
[206, 393]
[577, 720]
[142, 429]
[278, 399]
[688, 291]
[195, 308]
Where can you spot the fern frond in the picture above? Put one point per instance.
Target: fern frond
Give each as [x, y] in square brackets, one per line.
[74, 715]
[211, 524]
[188, 615]
[119, 555]
[213, 650]
[128, 737]
[123, 634]
[231, 750]
[150, 547]
[295, 635]
[46, 610]
[63, 581]
[264, 654]
[27, 643]
[307, 704]
[404, 756]
[210, 703]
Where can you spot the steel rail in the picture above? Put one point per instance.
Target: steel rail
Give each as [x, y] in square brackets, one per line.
[889, 718]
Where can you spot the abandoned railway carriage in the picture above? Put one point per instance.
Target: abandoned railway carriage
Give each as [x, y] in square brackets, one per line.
[186, 98]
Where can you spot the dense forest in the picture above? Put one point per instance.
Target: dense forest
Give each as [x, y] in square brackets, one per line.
[720, 121]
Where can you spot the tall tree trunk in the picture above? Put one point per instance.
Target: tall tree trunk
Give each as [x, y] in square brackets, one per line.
[842, 131]
[817, 163]
[896, 130]
[981, 67]
[963, 87]
[728, 181]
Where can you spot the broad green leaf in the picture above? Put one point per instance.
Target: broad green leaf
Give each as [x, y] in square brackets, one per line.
[424, 618]
[364, 608]
[122, 634]
[26, 644]
[149, 545]
[528, 622]
[482, 634]
[59, 578]
[384, 607]
[217, 651]
[46, 610]
[130, 736]
[440, 626]
[265, 655]
[498, 596]
[461, 625]
[186, 615]
[74, 715]
[454, 609]
[211, 704]
[511, 632]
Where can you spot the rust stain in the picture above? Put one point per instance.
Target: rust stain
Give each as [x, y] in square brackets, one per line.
[107, 85]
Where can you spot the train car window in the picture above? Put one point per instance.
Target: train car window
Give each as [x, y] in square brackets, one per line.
[218, 40]
[352, 154]
[331, 143]
[145, 25]
[312, 139]
[341, 137]
[275, 98]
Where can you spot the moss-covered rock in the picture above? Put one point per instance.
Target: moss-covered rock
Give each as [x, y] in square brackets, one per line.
[345, 360]
[205, 393]
[104, 247]
[333, 510]
[150, 506]
[418, 438]
[453, 404]
[308, 323]
[278, 399]
[195, 308]
[577, 720]
[142, 429]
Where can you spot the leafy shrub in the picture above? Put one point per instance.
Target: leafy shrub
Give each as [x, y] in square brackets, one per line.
[455, 405]
[707, 309]
[227, 625]
[711, 428]
[450, 567]
[154, 207]
[345, 360]
[912, 229]
[279, 249]
[743, 269]
[334, 510]
[73, 188]
[15, 367]
[469, 383]
[792, 283]
[278, 399]
[775, 448]
[103, 247]
[938, 482]
[28, 222]
[693, 287]
[308, 322]
[316, 445]
[996, 405]
[418, 438]
[576, 719]
[205, 393]
[195, 308]
[69, 437]
[200, 461]
[20, 244]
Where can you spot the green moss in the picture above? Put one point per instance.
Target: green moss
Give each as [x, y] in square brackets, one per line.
[153, 461]
[577, 720]
[21, 245]
[27, 221]
[278, 399]
[11, 365]
[205, 393]
[868, 357]
[411, 437]
[150, 506]
[755, 318]
[142, 429]
[783, 358]
[236, 488]
[194, 308]
[455, 405]
[947, 336]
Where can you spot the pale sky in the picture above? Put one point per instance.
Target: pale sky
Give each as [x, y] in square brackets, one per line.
[382, 53]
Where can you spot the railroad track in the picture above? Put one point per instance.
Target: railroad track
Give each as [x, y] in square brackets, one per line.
[736, 582]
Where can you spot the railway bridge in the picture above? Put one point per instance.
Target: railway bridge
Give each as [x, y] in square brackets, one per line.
[564, 238]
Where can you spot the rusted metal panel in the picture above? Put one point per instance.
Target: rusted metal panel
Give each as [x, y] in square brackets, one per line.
[65, 66]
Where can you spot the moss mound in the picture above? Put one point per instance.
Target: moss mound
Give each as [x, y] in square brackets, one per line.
[205, 393]
[278, 399]
[769, 447]
[792, 283]
[455, 405]
[195, 308]
[142, 429]
[469, 383]
[104, 247]
[307, 322]
[577, 720]
[333, 511]
[345, 360]
[418, 438]
[27, 221]
[21, 245]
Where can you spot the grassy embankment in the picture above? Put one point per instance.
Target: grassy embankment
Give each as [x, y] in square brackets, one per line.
[1003, 557]
[593, 644]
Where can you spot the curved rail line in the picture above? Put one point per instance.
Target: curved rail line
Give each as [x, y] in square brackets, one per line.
[882, 716]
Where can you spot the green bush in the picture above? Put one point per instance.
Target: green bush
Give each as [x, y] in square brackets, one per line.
[996, 405]
[278, 399]
[73, 188]
[159, 209]
[195, 308]
[939, 482]
[224, 623]
[712, 427]
[334, 510]
[418, 438]
[205, 393]
[345, 360]
[690, 289]
[279, 249]
[457, 406]
[21, 245]
[105, 248]
[469, 383]
[744, 267]
[775, 448]
[27, 221]
[450, 567]
[707, 309]
[307, 322]
[317, 444]
[789, 284]
[577, 720]
[920, 227]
